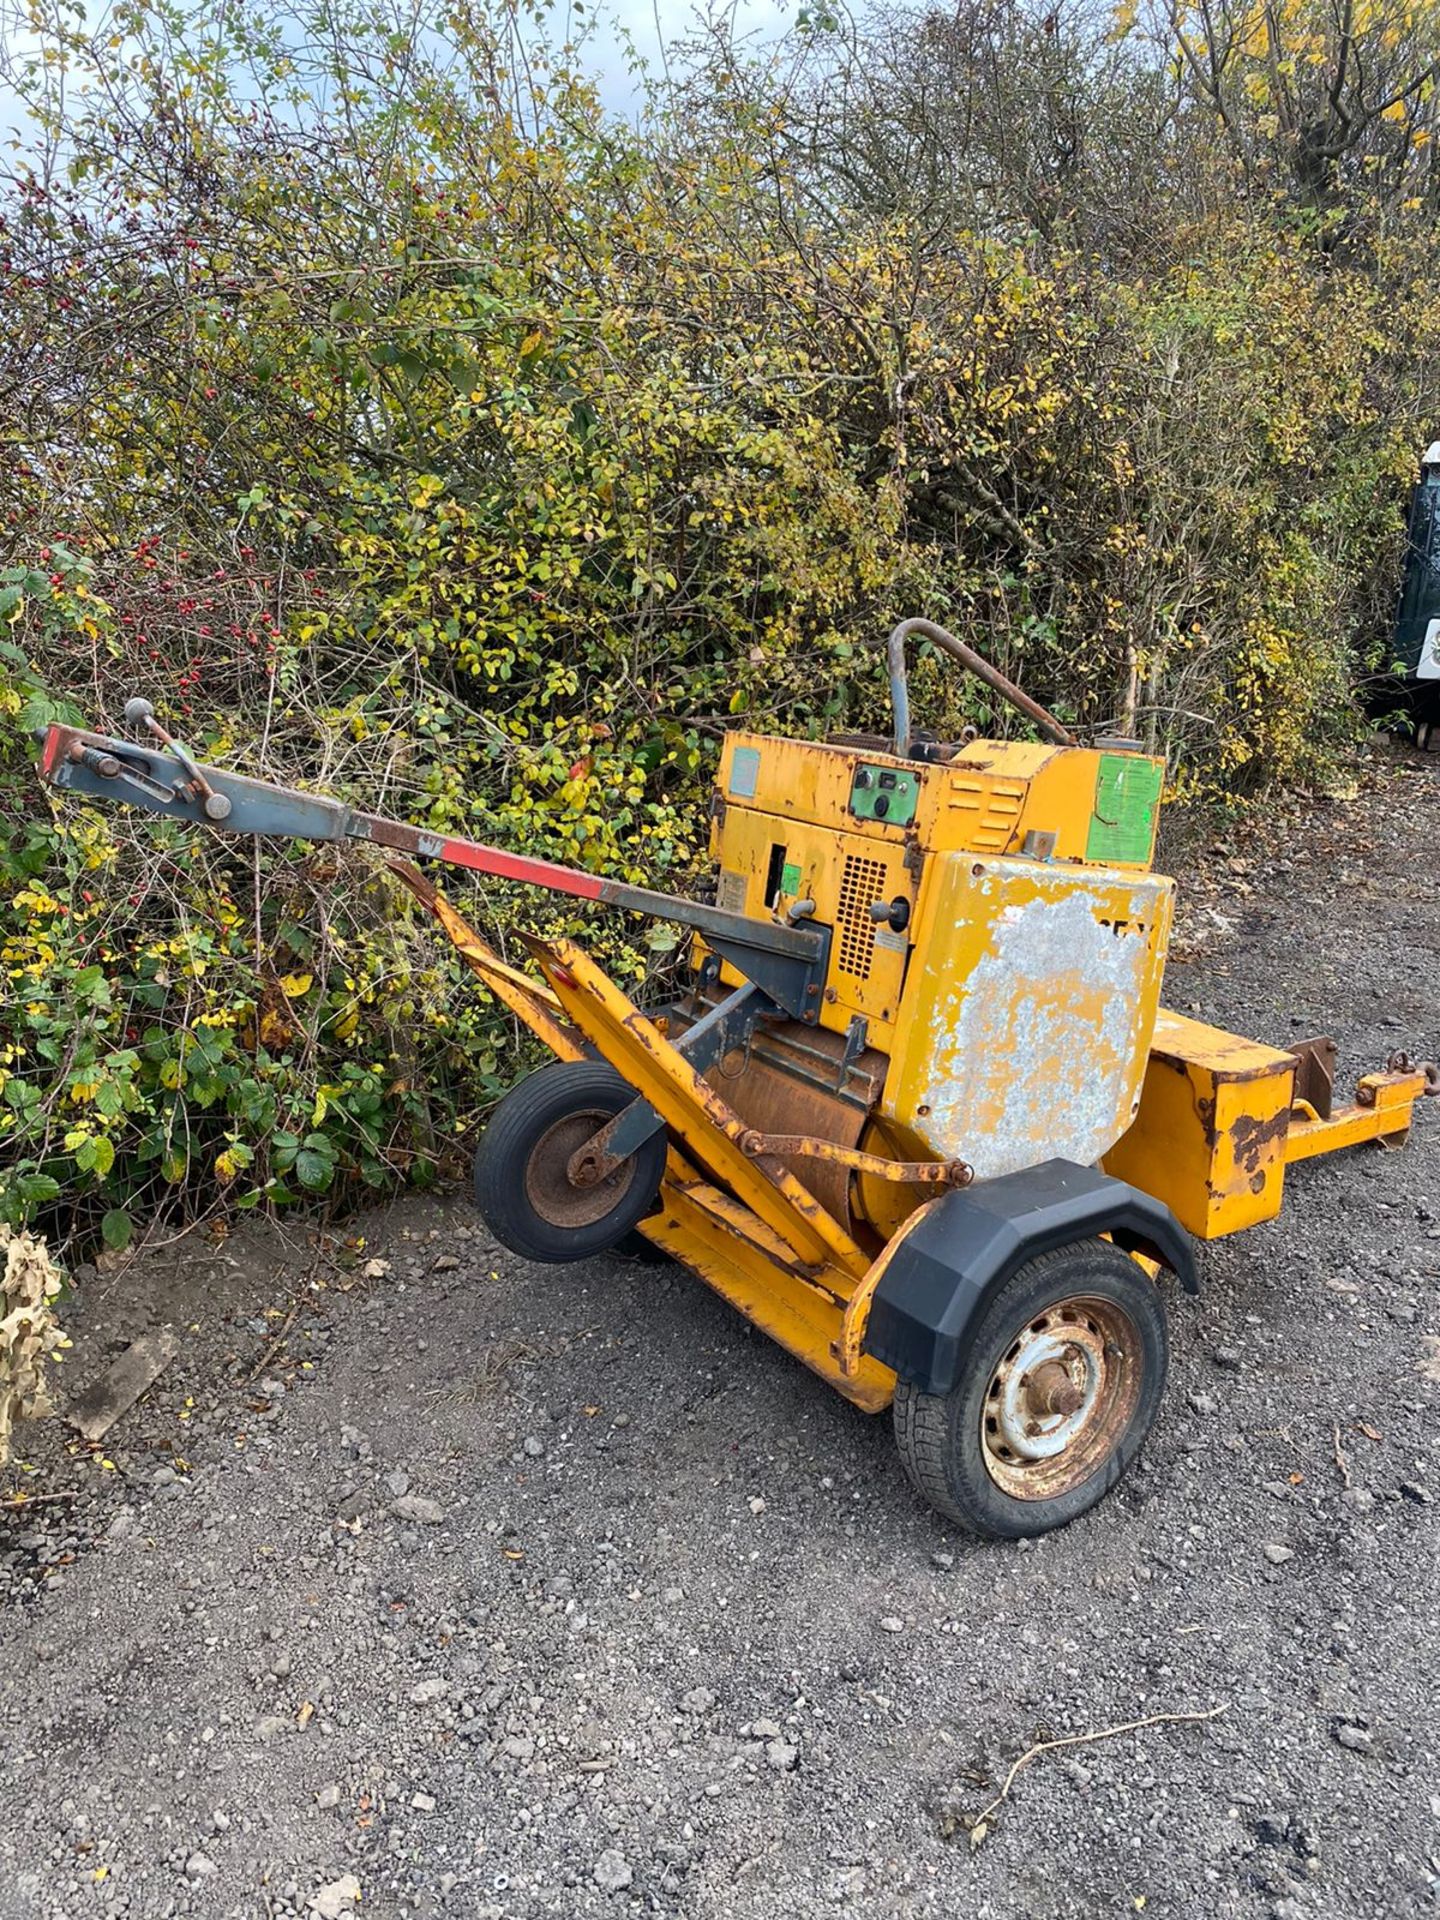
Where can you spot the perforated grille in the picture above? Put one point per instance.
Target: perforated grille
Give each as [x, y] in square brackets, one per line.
[861, 883]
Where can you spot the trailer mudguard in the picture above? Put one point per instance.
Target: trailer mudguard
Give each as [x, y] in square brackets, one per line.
[970, 1243]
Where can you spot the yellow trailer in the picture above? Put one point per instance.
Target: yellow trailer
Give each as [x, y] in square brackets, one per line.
[918, 1112]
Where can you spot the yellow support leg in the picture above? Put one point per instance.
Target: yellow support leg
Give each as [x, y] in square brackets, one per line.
[707, 1130]
[526, 998]
[736, 1254]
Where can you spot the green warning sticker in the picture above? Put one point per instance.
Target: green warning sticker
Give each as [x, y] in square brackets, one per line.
[790, 878]
[1122, 827]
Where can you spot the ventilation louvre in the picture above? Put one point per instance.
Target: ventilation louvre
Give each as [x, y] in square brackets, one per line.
[861, 884]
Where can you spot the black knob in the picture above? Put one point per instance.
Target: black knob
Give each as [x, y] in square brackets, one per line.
[882, 805]
[894, 914]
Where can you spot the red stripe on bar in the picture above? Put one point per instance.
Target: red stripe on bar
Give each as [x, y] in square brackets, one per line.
[50, 750]
[514, 866]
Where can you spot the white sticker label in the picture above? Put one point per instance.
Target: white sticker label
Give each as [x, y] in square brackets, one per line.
[730, 891]
[1428, 665]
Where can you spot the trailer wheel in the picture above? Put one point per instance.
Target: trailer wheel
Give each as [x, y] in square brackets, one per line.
[522, 1186]
[1061, 1385]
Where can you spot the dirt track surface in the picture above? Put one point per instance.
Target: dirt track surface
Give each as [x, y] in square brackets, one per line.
[515, 1593]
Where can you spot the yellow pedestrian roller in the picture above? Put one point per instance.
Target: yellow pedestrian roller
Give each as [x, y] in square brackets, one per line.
[917, 1111]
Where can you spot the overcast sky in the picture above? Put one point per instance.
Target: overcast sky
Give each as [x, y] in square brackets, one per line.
[649, 24]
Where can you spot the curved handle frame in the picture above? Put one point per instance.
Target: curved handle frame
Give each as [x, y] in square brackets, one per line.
[974, 663]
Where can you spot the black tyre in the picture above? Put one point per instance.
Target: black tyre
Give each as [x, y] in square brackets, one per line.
[522, 1184]
[1060, 1388]
[642, 1251]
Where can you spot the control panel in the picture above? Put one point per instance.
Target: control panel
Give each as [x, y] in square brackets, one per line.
[884, 793]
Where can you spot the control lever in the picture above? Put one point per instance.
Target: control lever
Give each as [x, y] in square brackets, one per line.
[894, 914]
[110, 767]
[140, 713]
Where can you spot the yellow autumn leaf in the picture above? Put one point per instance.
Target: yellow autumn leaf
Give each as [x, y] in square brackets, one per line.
[275, 1032]
[294, 985]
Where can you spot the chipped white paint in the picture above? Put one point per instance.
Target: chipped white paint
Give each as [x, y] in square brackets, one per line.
[1037, 1048]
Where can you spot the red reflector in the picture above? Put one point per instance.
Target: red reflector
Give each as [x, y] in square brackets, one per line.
[563, 975]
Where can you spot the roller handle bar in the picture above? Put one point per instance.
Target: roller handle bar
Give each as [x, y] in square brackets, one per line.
[159, 781]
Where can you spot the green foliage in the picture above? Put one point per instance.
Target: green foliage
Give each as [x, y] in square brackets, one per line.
[149, 1061]
[402, 426]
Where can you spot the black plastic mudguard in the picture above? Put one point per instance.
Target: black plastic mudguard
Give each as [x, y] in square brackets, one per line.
[965, 1249]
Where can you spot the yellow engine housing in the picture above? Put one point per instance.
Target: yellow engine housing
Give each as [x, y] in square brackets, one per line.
[1013, 980]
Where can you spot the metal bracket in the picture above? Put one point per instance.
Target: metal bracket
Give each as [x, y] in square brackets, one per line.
[1315, 1074]
[857, 1038]
[613, 1145]
[109, 766]
[728, 1024]
[792, 983]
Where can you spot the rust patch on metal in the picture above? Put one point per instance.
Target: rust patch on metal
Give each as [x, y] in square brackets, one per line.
[548, 1184]
[921, 1173]
[1051, 1390]
[1253, 1139]
[1405, 1063]
[848, 1348]
[1061, 1397]
[1315, 1073]
[592, 1161]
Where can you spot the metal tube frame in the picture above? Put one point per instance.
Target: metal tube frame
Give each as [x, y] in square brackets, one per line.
[975, 663]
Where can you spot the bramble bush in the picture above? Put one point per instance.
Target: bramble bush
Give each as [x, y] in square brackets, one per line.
[403, 425]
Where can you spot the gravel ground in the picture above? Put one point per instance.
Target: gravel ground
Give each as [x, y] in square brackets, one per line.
[499, 1593]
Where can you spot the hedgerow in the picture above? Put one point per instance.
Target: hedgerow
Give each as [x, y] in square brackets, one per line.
[401, 424]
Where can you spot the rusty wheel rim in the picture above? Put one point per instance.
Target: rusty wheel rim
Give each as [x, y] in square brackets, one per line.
[1061, 1398]
[548, 1186]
